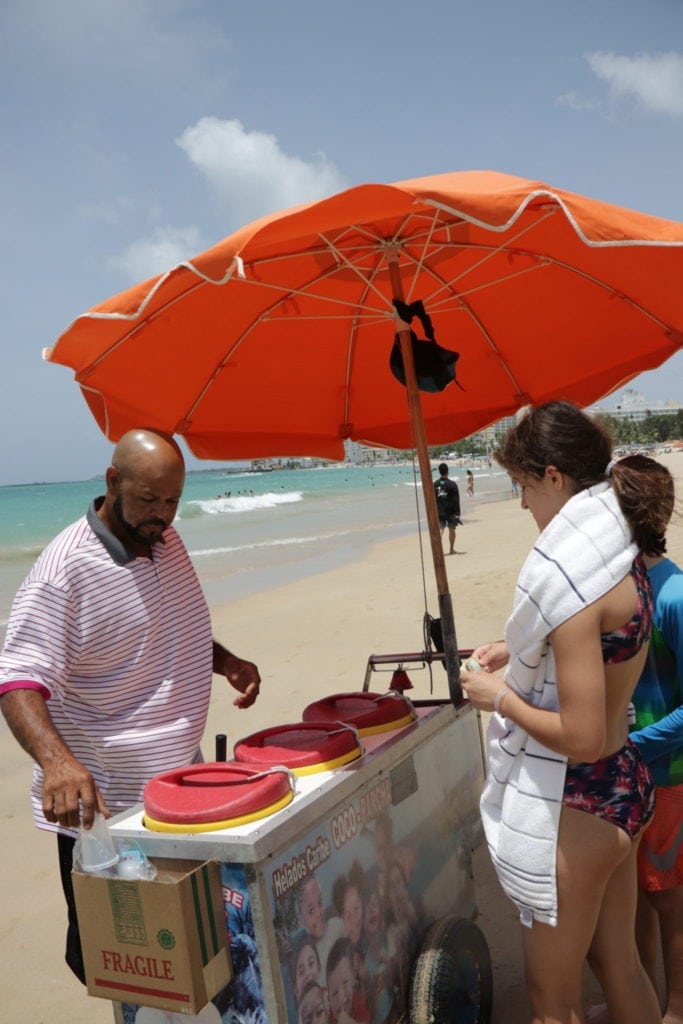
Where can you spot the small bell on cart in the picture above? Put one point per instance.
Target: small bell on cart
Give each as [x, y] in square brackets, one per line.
[400, 681]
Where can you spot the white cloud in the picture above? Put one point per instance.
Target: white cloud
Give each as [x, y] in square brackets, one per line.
[655, 80]
[249, 172]
[250, 176]
[574, 101]
[161, 251]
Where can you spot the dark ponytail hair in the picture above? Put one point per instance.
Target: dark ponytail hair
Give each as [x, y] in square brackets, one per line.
[559, 434]
[645, 491]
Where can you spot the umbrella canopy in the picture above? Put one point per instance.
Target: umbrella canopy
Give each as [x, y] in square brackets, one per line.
[276, 341]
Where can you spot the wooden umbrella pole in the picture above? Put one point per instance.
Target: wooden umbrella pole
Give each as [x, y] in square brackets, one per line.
[451, 655]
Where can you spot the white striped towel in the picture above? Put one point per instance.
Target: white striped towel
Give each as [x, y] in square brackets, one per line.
[583, 552]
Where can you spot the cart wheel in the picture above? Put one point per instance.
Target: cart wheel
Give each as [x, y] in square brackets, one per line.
[451, 980]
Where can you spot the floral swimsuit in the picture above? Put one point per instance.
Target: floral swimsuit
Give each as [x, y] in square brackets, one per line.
[619, 787]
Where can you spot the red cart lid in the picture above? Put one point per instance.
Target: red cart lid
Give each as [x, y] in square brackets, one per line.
[369, 712]
[207, 797]
[305, 747]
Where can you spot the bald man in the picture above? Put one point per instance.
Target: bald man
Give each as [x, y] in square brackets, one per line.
[105, 674]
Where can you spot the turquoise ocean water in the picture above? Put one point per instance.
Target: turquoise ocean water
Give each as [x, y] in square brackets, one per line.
[247, 531]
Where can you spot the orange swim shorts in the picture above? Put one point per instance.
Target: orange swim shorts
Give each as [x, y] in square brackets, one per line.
[660, 854]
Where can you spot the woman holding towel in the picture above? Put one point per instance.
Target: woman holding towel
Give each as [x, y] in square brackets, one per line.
[567, 796]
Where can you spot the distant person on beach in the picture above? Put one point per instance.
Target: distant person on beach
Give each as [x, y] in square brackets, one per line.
[568, 795]
[470, 483]
[105, 674]
[447, 504]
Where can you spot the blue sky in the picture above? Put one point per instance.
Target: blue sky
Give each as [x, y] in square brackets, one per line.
[137, 132]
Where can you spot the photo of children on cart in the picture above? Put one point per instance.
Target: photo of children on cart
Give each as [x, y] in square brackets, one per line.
[352, 900]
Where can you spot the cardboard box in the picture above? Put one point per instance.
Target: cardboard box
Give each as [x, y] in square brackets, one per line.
[159, 943]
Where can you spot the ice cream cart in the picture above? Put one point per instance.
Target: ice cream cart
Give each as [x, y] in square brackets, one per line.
[391, 825]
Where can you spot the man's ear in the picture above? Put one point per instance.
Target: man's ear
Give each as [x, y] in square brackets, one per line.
[112, 477]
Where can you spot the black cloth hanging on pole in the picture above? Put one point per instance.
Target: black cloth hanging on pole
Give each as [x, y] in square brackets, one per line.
[434, 365]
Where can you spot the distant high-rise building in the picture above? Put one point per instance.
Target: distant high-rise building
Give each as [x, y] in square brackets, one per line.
[632, 405]
[491, 435]
[362, 454]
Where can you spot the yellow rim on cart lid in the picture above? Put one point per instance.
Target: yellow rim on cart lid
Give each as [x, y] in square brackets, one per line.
[197, 795]
[215, 826]
[369, 713]
[303, 747]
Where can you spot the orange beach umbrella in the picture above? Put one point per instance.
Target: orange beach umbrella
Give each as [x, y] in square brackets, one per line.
[276, 341]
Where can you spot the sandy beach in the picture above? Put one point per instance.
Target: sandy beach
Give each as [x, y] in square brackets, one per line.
[310, 637]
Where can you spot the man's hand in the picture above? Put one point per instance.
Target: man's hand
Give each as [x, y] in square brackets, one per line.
[242, 675]
[70, 796]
